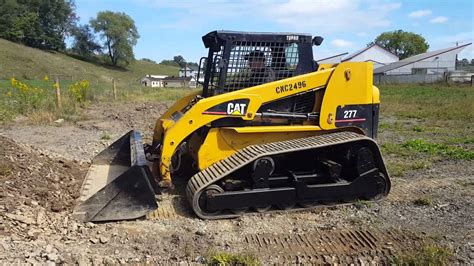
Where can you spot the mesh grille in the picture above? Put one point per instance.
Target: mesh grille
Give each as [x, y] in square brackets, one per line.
[254, 63]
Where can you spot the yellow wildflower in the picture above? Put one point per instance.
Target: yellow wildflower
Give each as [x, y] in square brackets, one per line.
[46, 78]
[13, 81]
[9, 94]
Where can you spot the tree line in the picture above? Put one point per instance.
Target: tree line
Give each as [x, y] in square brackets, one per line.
[45, 24]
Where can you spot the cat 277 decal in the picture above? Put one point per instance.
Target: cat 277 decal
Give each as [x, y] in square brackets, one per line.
[232, 108]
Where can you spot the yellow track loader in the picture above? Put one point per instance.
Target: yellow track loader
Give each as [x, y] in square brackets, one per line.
[270, 130]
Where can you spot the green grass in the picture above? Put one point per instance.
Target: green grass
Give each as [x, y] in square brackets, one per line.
[105, 136]
[424, 201]
[30, 63]
[421, 145]
[428, 255]
[433, 102]
[225, 258]
[399, 169]
[31, 66]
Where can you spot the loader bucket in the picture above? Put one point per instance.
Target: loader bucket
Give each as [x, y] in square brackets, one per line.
[119, 185]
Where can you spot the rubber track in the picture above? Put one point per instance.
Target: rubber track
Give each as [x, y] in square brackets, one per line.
[221, 169]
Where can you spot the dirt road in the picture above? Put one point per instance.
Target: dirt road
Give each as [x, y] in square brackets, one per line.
[42, 167]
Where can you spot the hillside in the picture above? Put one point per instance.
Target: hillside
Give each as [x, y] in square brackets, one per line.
[30, 63]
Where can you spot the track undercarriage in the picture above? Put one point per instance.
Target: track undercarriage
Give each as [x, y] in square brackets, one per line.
[303, 173]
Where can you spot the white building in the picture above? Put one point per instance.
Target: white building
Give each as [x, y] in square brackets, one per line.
[434, 62]
[191, 71]
[153, 80]
[335, 59]
[373, 53]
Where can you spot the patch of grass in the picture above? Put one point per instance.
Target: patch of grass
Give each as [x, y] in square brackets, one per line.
[461, 140]
[424, 201]
[394, 148]
[428, 255]
[434, 102]
[398, 169]
[424, 146]
[144, 94]
[225, 258]
[5, 170]
[105, 136]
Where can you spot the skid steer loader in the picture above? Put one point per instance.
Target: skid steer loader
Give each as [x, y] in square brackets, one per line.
[270, 130]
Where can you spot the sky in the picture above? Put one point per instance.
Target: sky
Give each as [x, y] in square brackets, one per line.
[168, 28]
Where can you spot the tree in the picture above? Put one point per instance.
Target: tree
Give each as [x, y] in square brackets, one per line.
[403, 44]
[40, 23]
[169, 63]
[149, 60]
[464, 62]
[179, 60]
[84, 43]
[119, 34]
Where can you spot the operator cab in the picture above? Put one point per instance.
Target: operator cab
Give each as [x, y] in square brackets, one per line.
[238, 60]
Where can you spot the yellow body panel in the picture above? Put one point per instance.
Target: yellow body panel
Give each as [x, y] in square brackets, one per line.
[351, 84]
[345, 83]
[223, 142]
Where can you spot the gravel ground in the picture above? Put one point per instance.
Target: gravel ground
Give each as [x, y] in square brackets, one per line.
[42, 167]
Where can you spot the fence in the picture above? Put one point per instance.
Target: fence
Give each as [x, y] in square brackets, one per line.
[452, 77]
[414, 78]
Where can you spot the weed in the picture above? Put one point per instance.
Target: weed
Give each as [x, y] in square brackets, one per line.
[79, 90]
[5, 170]
[105, 136]
[428, 255]
[362, 204]
[418, 129]
[423, 201]
[225, 258]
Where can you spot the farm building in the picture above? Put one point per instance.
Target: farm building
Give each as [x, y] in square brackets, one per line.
[179, 82]
[191, 71]
[335, 59]
[434, 62]
[373, 53]
[152, 80]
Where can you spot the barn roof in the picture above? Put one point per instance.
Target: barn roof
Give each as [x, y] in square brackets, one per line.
[416, 58]
[349, 57]
[331, 57]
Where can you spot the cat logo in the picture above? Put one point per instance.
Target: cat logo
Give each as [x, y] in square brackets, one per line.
[236, 108]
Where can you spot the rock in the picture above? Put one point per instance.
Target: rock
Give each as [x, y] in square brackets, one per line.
[94, 240]
[48, 249]
[200, 232]
[103, 239]
[40, 217]
[59, 121]
[20, 218]
[52, 257]
[109, 261]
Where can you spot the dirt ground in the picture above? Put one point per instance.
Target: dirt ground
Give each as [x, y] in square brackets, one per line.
[42, 168]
